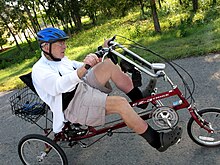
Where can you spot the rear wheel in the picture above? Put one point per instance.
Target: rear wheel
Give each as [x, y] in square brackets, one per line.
[200, 135]
[38, 149]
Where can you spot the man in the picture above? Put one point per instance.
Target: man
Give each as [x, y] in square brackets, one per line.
[88, 101]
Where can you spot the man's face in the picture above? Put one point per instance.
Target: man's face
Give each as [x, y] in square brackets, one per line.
[57, 49]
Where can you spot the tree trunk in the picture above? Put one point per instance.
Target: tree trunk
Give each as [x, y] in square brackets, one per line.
[92, 17]
[48, 16]
[214, 2]
[28, 41]
[31, 31]
[35, 17]
[30, 16]
[79, 23]
[75, 14]
[155, 17]
[195, 5]
[43, 18]
[142, 7]
[13, 35]
[159, 4]
[19, 36]
[71, 25]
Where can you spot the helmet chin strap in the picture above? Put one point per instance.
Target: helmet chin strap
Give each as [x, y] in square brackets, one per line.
[50, 54]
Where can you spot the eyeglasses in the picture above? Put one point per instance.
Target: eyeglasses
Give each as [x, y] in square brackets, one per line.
[44, 44]
[60, 43]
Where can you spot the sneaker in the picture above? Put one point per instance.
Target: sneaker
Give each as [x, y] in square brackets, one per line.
[147, 92]
[169, 138]
[136, 78]
[150, 88]
[126, 66]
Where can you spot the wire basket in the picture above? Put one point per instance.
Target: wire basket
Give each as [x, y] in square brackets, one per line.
[27, 105]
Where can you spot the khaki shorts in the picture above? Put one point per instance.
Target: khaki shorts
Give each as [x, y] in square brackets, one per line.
[92, 81]
[88, 104]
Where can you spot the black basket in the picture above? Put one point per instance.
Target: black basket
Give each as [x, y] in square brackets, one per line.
[27, 105]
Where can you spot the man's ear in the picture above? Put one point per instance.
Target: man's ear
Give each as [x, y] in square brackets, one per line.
[46, 47]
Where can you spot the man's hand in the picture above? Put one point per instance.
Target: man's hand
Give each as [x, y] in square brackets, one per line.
[106, 41]
[91, 59]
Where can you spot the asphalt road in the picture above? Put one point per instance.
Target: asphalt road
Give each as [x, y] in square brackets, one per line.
[129, 149]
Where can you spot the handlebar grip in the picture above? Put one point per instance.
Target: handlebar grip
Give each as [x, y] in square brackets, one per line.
[87, 66]
[99, 54]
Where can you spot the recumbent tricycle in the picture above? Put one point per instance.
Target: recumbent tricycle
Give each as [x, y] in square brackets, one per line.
[203, 126]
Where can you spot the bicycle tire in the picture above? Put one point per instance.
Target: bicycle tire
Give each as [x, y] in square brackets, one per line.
[32, 150]
[199, 135]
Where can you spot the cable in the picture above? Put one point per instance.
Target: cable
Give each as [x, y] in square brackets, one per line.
[191, 91]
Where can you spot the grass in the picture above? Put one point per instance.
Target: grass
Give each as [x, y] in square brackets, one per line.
[179, 39]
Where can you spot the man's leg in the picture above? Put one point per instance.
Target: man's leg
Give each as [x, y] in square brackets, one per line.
[160, 141]
[119, 105]
[107, 70]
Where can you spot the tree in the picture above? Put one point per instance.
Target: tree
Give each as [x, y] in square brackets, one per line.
[6, 20]
[21, 25]
[91, 8]
[141, 3]
[75, 13]
[34, 22]
[155, 16]
[214, 2]
[195, 5]
[3, 40]
[46, 11]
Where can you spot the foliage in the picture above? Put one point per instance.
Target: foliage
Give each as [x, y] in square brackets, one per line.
[184, 33]
[13, 56]
[3, 40]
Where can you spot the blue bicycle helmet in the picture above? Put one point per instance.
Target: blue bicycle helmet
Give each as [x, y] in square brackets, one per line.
[51, 35]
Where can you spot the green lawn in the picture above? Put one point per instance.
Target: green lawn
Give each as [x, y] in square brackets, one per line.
[177, 40]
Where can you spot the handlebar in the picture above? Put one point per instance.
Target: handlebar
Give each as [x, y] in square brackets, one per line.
[154, 70]
[157, 68]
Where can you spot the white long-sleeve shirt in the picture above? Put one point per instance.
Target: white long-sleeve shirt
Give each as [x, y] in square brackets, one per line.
[50, 85]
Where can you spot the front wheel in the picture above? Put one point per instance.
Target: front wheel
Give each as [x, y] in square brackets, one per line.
[38, 149]
[199, 135]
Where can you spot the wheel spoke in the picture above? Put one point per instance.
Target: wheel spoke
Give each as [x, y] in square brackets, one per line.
[37, 149]
[200, 135]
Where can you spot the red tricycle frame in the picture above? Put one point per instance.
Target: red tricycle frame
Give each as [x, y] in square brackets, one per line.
[93, 131]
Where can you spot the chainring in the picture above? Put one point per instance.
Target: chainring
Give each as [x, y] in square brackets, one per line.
[165, 117]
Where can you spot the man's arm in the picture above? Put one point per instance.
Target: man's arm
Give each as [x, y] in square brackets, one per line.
[82, 71]
[90, 60]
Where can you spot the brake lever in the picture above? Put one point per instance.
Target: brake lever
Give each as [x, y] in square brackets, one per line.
[110, 41]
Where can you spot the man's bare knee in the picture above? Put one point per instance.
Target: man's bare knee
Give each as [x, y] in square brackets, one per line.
[108, 62]
[116, 104]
